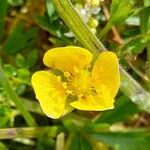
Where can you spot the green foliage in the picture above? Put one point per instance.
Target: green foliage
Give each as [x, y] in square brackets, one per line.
[78, 142]
[31, 59]
[51, 11]
[20, 39]
[145, 20]
[124, 109]
[3, 8]
[53, 28]
[120, 10]
[146, 3]
[3, 147]
[15, 2]
[131, 140]
[135, 46]
[6, 116]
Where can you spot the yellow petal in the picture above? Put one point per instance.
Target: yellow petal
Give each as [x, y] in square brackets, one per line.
[50, 92]
[99, 102]
[70, 58]
[106, 72]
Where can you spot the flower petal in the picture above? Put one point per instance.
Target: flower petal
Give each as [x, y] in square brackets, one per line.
[70, 58]
[50, 92]
[97, 102]
[106, 72]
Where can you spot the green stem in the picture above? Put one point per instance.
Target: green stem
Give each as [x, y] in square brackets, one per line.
[148, 60]
[12, 133]
[105, 30]
[129, 86]
[14, 97]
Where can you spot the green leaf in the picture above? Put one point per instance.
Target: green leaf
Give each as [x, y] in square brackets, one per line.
[124, 109]
[120, 10]
[20, 61]
[45, 143]
[51, 11]
[78, 142]
[3, 9]
[23, 75]
[10, 70]
[54, 28]
[3, 147]
[32, 58]
[21, 88]
[15, 2]
[6, 116]
[146, 3]
[131, 140]
[145, 20]
[135, 46]
[20, 39]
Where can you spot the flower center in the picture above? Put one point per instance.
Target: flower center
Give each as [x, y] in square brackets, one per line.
[79, 83]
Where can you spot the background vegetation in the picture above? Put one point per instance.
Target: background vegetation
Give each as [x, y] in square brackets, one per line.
[28, 29]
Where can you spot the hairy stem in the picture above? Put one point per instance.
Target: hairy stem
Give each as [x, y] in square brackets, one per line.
[128, 85]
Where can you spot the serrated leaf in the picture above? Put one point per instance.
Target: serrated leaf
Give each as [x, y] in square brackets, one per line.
[123, 110]
[131, 140]
[20, 39]
[3, 9]
[145, 20]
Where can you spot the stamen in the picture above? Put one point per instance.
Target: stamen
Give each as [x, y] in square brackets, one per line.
[67, 74]
[69, 92]
[65, 85]
[76, 70]
[59, 78]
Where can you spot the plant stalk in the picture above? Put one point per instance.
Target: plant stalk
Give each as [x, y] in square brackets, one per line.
[12, 133]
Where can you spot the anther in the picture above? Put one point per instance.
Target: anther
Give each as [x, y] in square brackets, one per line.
[58, 78]
[76, 70]
[65, 85]
[69, 92]
[67, 74]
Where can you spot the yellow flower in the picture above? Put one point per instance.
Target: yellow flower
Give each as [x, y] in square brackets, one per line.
[73, 83]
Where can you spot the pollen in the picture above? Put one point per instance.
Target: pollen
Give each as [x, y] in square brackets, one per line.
[69, 92]
[76, 70]
[65, 85]
[67, 74]
[59, 78]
